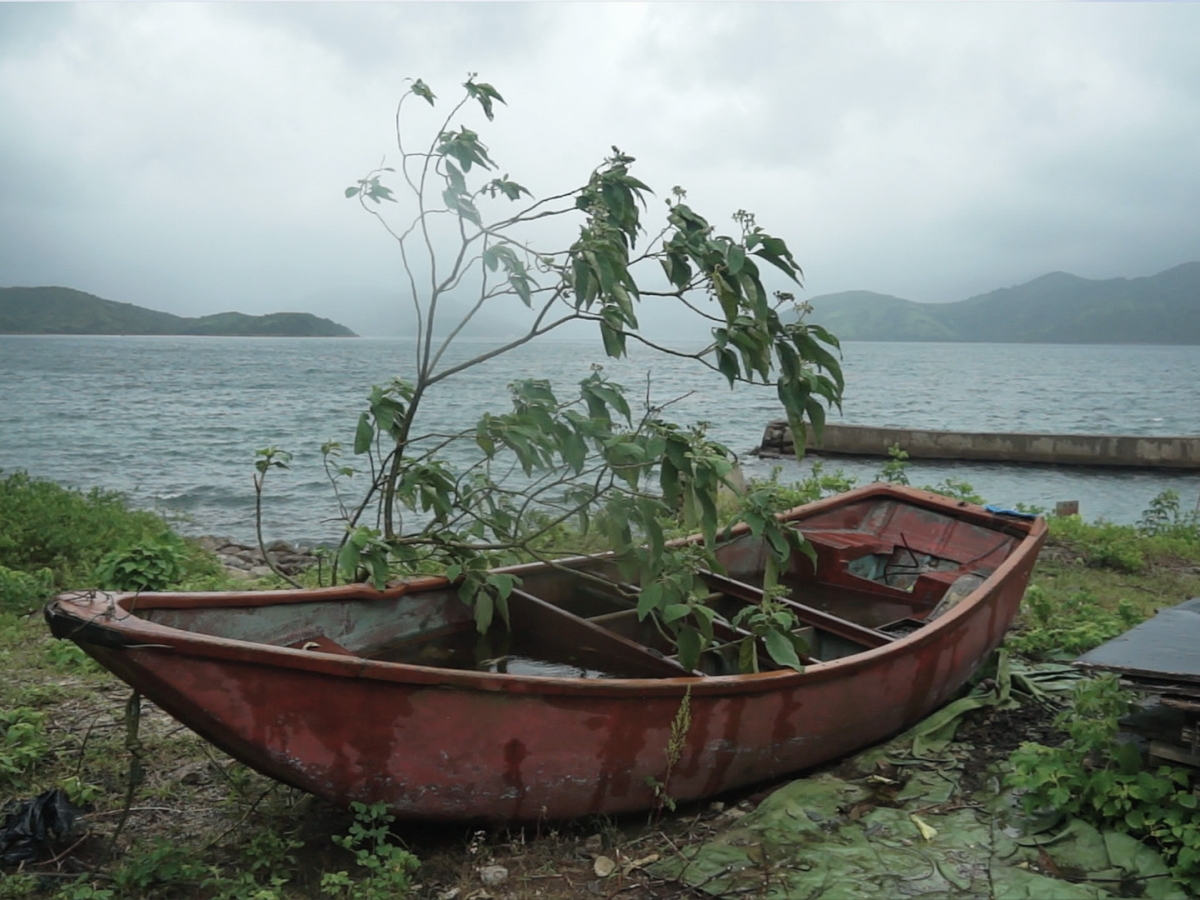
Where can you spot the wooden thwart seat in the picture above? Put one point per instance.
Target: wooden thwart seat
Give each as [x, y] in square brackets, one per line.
[540, 619]
[844, 628]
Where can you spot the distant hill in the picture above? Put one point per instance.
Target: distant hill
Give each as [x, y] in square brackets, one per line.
[58, 310]
[1054, 309]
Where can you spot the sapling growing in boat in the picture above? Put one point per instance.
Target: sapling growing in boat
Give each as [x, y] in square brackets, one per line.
[584, 471]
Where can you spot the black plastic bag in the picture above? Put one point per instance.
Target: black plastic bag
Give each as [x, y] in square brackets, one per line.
[31, 825]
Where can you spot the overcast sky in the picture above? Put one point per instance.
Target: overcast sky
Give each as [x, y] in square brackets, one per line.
[192, 158]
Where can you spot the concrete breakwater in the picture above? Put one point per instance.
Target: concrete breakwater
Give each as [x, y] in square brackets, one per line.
[1126, 451]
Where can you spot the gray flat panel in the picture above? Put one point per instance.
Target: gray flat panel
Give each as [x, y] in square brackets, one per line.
[1167, 646]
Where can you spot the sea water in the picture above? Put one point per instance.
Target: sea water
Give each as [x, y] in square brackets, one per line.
[174, 422]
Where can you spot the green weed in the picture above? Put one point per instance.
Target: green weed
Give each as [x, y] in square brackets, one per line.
[1099, 779]
[1057, 627]
[389, 866]
[1164, 518]
[18, 886]
[23, 741]
[149, 566]
[895, 470]
[67, 656]
[22, 592]
[47, 526]
[164, 863]
[84, 888]
[54, 538]
[959, 490]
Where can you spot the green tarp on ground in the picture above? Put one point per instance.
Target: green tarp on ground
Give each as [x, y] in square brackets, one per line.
[914, 833]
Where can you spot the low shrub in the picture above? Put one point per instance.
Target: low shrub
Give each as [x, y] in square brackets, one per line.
[46, 526]
[1164, 518]
[22, 741]
[1101, 780]
[23, 592]
[388, 866]
[54, 538]
[150, 566]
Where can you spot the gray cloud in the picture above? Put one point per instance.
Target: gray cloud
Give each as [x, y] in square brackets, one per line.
[191, 157]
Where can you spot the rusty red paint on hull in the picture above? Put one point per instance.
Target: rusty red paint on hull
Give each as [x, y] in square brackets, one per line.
[442, 743]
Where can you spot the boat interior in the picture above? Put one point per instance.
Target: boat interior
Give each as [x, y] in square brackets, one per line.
[884, 569]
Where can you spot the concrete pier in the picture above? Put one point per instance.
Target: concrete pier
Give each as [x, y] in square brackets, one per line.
[1125, 451]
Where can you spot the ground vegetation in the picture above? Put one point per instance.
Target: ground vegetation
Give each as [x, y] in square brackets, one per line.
[200, 825]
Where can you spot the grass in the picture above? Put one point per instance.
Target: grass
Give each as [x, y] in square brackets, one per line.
[204, 826]
[1095, 581]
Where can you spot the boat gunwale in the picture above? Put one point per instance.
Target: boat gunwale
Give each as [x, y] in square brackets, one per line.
[133, 632]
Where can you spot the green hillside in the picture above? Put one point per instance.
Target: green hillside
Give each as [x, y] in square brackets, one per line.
[57, 310]
[1055, 309]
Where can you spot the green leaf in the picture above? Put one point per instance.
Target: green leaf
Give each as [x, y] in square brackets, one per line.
[363, 435]
[485, 94]
[726, 295]
[748, 656]
[735, 258]
[782, 651]
[421, 89]
[503, 584]
[348, 560]
[484, 609]
[352, 192]
[727, 363]
[614, 340]
[649, 599]
[690, 643]
[675, 611]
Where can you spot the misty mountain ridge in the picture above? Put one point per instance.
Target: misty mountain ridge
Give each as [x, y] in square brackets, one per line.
[59, 310]
[1057, 308]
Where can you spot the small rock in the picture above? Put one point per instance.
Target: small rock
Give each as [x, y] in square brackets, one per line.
[194, 773]
[594, 844]
[238, 574]
[716, 806]
[261, 571]
[491, 875]
[603, 867]
[279, 547]
[451, 894]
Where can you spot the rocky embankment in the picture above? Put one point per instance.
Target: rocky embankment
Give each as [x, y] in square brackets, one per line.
[246, 561]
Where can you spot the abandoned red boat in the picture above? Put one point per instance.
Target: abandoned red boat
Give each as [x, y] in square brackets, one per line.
[356, 694]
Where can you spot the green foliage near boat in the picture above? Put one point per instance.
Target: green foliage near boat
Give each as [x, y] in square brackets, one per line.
[55, 538]
[1100, 779]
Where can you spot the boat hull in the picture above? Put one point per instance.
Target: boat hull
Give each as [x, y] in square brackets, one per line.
[438, 743]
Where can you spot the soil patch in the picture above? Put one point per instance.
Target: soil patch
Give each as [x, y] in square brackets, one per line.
[996, 733]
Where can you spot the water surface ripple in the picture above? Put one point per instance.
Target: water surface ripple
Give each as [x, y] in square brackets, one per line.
[174, 421]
